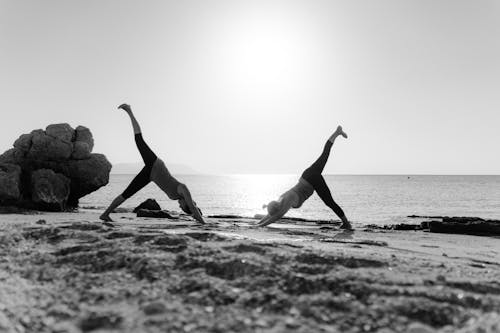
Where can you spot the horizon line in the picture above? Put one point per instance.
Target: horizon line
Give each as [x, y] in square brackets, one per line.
[326, 174]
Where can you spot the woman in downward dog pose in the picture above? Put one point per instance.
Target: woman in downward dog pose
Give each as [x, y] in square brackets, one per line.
[155, 171]
[310, 181]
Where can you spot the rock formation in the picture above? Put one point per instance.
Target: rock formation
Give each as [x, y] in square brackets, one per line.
[51, 169]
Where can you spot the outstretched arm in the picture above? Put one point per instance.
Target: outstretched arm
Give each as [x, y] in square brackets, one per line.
[268, 219]
[195, 212]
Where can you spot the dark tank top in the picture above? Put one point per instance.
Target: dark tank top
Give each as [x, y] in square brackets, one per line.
[165, 181]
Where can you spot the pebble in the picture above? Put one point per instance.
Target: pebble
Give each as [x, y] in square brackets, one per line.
[154, 308]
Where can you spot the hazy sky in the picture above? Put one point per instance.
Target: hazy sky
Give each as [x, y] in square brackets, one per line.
[258, 86]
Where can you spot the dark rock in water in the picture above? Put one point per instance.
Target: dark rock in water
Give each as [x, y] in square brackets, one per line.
[49, 189]
[66, 156]
[462, 219]
[452, 225]
[424, 217]
[164, 214]
[10, 182]
[478, 227]
[404, 226]
[149, 204]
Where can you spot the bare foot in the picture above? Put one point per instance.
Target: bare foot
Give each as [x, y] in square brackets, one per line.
[105, 218]
[125, 107]
[346, 226]
[339, 131]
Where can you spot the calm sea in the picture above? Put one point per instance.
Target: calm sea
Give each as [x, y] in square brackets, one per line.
[365, 199]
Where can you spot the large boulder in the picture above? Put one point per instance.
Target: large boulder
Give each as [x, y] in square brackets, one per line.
[81, 151]
[62, 132]
[84, 143]
[49, 189]
[13, 156]
[52, 169]
[49, 148]
[84, 135]
[23, 142]
[87, 176]
[10, 182]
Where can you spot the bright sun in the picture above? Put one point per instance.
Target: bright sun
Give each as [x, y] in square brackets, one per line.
[260, 53]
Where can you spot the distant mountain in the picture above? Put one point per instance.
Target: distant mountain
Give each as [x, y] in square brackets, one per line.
[133, 168]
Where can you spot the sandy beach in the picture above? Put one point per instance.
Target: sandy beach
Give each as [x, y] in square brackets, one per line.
[66, 272]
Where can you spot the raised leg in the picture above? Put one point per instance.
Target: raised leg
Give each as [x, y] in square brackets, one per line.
[135, 123]
[317, 167]
[146, 153]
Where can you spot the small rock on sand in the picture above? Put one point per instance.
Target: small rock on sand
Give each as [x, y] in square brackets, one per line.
[99, 321]
[154, 308]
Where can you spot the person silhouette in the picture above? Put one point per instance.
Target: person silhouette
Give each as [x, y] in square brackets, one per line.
[311, 180]
[154, 171]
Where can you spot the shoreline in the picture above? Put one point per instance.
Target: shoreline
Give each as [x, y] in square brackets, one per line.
[66, 272]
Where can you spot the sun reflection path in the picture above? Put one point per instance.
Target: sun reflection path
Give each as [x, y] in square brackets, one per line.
[257, 190]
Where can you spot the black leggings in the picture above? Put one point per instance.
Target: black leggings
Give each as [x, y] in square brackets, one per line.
[144, 176]
[314, 177]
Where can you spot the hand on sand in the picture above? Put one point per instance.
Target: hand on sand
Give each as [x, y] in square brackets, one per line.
[199, 220]
[339, 131]
[125, 107]
[263, 223]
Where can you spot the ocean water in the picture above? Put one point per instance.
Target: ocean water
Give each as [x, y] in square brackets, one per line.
[365, 199]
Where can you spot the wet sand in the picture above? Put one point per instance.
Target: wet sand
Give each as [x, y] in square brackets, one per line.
[67, 272]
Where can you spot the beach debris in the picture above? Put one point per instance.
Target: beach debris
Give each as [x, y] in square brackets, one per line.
[51, 169]
[450, 225]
